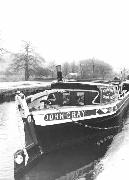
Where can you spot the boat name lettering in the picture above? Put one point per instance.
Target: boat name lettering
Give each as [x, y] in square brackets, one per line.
[108, 95]
[65, 115]
[106, 90]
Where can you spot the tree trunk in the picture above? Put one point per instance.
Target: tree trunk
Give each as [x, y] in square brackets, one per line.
[26, 63]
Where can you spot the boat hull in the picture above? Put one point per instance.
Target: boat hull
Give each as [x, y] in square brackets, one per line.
[46, 138]
[59, 135]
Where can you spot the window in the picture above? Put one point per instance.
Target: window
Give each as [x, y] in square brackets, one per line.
[37, 103]
[91, 97]
[66, 98]
[80, 98]
[52, 98]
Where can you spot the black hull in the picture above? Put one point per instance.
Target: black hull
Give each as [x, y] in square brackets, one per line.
[57, 136]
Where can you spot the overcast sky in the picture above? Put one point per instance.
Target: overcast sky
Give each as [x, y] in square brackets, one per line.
[67, 30]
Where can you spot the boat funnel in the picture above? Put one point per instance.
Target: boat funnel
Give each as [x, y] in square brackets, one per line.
[59, 73]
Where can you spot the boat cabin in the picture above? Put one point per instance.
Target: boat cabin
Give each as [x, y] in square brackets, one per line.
[72, 94]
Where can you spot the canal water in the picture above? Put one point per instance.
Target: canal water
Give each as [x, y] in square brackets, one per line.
[10, 139]
[54, 165]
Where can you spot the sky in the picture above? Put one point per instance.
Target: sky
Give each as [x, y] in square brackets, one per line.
[68, 30]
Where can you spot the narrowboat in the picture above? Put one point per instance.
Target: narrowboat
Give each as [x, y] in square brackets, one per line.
[63, 114]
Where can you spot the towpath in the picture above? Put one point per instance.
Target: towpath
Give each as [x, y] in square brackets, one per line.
[115, 163]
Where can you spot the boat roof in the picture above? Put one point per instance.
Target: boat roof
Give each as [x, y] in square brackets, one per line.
[125, 82]
[79, 85]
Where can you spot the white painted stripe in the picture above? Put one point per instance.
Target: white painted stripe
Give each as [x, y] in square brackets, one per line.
[39, 115]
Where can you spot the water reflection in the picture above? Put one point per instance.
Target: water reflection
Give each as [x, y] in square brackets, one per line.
[65, 161]
[6, 151]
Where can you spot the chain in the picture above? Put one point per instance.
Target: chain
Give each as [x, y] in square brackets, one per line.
[100, 128]
[101, 141]
[94, 127]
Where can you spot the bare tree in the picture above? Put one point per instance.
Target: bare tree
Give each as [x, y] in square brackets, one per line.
[74, 67]
[93, 68]
[42, 72]
[66, 68]
[52, 68]
[104, 70]
[28, 61]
